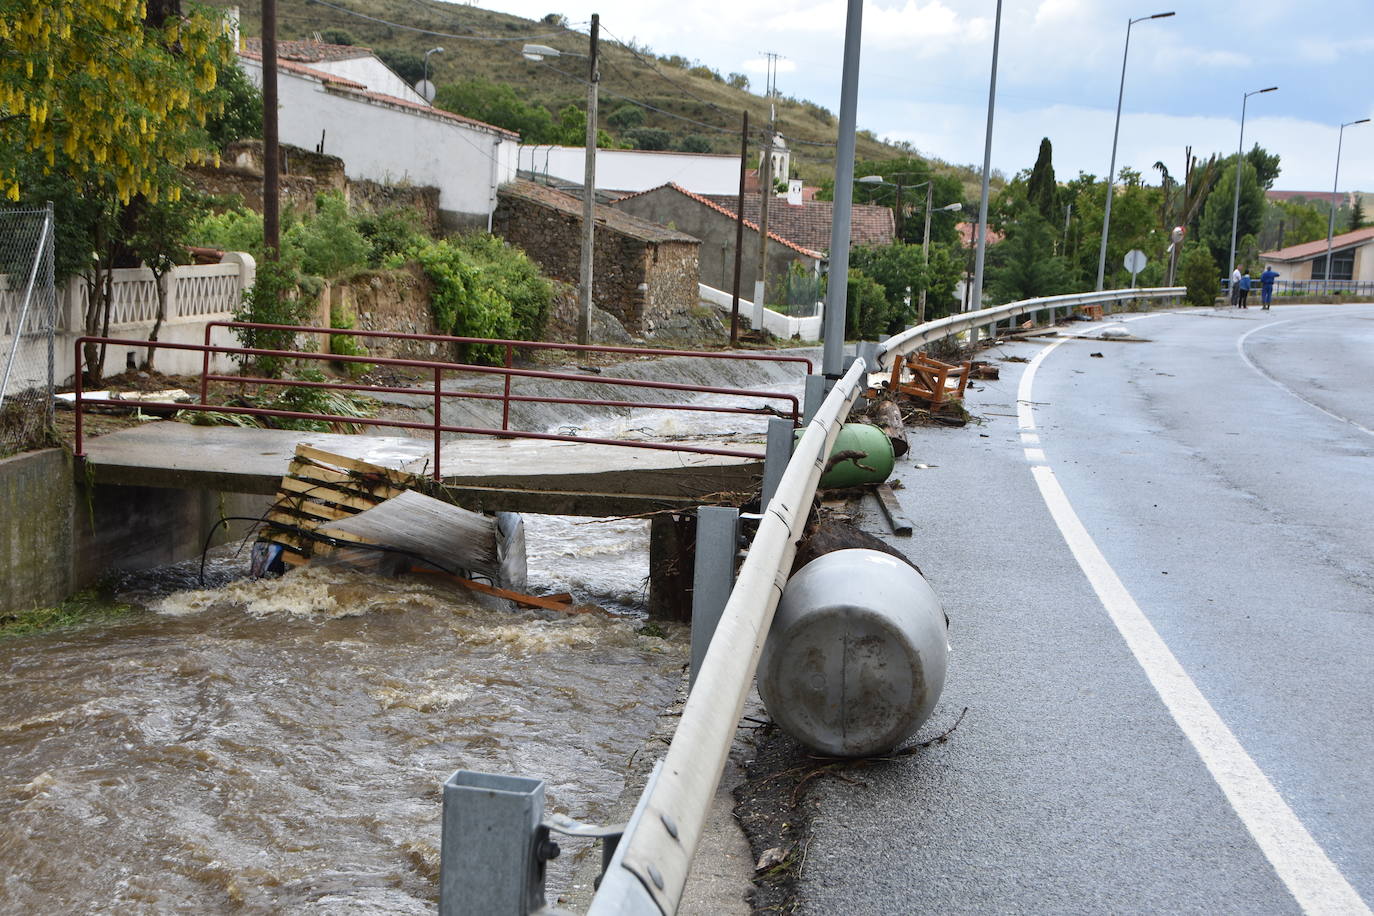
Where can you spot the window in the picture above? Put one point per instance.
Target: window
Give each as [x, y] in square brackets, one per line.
[1342, 265]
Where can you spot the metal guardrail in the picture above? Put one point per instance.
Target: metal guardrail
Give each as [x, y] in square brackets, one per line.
[651, 862]
[923, 334]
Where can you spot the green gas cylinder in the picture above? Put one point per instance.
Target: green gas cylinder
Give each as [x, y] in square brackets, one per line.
[876, 466]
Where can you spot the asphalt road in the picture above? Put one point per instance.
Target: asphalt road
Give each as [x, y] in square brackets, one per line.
[1161, 589]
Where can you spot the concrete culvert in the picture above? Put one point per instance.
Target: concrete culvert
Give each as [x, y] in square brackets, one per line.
[855, 660]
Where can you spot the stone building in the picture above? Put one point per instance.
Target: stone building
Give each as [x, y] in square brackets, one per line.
[645, 275]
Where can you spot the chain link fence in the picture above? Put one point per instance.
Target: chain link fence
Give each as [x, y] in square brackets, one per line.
[28, 319]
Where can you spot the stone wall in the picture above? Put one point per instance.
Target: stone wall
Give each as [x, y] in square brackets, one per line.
[638, 282]
[395, 300]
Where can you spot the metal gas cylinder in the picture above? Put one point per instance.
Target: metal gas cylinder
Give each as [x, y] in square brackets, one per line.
[875, 467]
[856, 656]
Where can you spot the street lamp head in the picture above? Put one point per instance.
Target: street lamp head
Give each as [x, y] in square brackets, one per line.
[871, 179]
[1162, 15]
[951, 208]
[1361, 121]
[1270, 89]
[435, 51]
[539, 52]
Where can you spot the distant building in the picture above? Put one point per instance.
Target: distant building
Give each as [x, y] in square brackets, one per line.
[1352, 258]
[629, 171]
[808, 222]
[646, 275]
[383, 130]
[715, 225]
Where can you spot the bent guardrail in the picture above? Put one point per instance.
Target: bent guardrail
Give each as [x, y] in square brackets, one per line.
[923, 334]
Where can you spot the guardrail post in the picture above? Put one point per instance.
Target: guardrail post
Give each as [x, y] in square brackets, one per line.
[489, 855]
[713, 577]
[815, 394]
[776, 456]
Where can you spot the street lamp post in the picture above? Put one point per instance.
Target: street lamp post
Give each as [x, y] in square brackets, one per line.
[1240, 163]
[1111, 169]
[427, 54]
[1331, 222]
[537, 53]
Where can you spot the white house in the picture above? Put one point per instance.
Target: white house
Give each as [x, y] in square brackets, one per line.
[386, 132]
[635, 170]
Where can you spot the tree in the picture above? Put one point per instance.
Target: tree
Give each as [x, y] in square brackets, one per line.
[649, 138]
[159, 240]
[1216, 224]
[1041, 189]
[148, 81]
[737, 81]
[1266, 165]
[1023, 265]
[1199, 273]
[867, 313]
[626, 116]
[499, 104]
[109, 100]
[695, 143]
[1357, 214]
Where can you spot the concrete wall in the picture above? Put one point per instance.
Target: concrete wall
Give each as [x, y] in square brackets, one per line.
[717, 233]
[393, 144]
[55, 541]
[635, 170]
[373, 74]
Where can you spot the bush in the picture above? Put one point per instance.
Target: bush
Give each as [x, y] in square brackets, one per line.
[649, 138]
[695, 143]
[626, 117]
[329, 244]
[274, 298]
[484, 288]
[866, 308]
[1199, 274]
[390, 233]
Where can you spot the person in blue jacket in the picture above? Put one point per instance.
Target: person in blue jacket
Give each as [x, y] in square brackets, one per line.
[1244, 287]
[1267, 286]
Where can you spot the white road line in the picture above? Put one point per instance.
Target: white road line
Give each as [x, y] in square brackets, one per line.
[1311, 877]
[1240, 348]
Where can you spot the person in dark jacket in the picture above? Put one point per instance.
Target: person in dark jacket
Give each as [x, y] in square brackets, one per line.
[1244, 287]
[1267, 287]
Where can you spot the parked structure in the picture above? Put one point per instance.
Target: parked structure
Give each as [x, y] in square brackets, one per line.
[646, 274]
[1352, 259]
[385, 137]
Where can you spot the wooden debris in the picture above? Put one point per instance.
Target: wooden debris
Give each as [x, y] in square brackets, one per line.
[892, 510]
[889, 418]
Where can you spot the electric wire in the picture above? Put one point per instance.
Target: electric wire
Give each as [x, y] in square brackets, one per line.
[411, 28]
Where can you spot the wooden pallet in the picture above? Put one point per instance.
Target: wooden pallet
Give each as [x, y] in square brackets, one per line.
[321, 487]
[927, 379]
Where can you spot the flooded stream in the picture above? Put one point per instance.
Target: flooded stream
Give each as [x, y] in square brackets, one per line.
[279, 745]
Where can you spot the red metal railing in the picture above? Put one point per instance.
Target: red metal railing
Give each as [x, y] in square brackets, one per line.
[510, 347]
[437, 427]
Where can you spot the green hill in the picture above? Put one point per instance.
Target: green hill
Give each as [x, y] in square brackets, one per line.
[676, 95]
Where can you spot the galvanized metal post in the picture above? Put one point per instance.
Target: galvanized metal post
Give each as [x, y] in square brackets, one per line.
[775, 457]
[714, 574]
[813, 397]
[488, 861]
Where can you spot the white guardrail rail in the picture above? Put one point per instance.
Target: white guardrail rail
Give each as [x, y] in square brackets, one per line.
[648, 872]
[923, 334]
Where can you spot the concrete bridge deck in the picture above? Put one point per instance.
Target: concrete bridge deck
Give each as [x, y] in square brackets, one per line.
[518, 475]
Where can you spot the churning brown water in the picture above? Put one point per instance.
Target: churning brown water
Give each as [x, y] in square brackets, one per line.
[279, 745]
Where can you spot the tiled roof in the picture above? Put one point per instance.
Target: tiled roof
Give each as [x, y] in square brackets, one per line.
[966, 238]
[609, 217]
[733, 214]
[310, 52]
[356, 88]
[808, 224]
[1311, 249]
[291, 66]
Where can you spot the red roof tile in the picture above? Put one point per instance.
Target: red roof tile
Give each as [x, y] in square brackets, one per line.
[809, 223]
[291, 66]
[1311, 249]
[609, 217]
[733, 214]
[310, 52]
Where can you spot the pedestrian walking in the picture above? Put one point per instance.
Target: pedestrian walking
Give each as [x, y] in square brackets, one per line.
[1235, 287]
[1267, 287]
[1245, 288]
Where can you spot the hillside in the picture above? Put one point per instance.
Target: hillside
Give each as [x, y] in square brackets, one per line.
[681, 98]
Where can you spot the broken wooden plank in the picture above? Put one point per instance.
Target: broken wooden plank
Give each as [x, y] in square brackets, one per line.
[892, 509]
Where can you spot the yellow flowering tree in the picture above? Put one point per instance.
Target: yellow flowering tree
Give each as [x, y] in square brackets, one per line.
[102, 102]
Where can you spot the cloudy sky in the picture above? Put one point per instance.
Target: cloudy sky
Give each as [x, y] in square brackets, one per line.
[925, 67]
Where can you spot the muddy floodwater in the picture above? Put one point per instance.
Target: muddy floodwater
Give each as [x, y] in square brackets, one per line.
[279, 745]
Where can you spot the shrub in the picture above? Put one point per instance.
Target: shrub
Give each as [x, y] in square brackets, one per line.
[695, 143]
[866, 308]
[390, 233]
[274, 298]
[1199, 274]
[329, 243]
[626, 116]
[649, 138]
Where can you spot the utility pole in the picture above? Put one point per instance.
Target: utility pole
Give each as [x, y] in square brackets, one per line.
[271, 146]
[739, 231]
[925, 248]
[765, 192]
[584, 312]
[836, 299]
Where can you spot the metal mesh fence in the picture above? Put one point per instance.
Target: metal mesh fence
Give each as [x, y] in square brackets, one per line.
[28, 318]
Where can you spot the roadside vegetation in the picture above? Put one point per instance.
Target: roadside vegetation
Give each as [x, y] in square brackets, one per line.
[88, 608]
